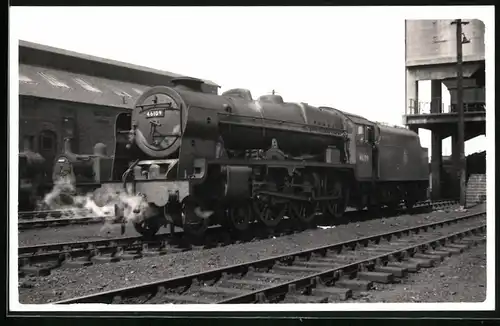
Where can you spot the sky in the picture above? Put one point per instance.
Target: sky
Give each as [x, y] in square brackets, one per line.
[350, 58]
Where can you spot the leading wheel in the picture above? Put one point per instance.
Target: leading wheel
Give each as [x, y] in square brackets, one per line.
[149, 227]
[195, 224]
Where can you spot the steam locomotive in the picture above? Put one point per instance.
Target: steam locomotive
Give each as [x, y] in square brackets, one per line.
[199, 158]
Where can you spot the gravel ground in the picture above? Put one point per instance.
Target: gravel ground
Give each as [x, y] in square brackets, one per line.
[64, 284]
[460, 278]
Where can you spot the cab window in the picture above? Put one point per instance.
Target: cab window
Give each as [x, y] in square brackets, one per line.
[369, 135]
[361, 134]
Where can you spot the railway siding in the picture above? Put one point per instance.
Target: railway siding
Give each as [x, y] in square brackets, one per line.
[63, 284]
[39, 260]
[347, 266]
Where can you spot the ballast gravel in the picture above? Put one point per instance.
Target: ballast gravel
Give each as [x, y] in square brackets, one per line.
[68, 283]
[460, 278]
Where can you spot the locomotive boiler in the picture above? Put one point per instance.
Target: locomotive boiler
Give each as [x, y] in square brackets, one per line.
[200, 158]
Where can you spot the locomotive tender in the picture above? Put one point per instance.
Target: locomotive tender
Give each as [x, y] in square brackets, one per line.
[228, 159]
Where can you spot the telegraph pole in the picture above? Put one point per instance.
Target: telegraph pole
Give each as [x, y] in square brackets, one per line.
[460, 111]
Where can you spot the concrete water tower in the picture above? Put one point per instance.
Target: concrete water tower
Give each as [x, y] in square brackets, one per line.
[432, 54]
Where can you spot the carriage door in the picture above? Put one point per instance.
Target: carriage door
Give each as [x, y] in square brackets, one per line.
[47, 147]
[364, 153]
[372, 135]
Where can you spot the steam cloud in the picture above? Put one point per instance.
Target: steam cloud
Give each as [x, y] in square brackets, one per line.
[114, 205]
[111, 204]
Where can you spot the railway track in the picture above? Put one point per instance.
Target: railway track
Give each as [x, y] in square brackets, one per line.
[45, 219]
[39, 260]
[48, 214]
[325, 274]
[56, 218]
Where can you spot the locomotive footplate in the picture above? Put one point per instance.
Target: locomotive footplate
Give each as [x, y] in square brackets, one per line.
[166, 197]
[161, 192]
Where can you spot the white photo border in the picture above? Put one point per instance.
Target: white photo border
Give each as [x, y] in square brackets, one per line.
[484, 13]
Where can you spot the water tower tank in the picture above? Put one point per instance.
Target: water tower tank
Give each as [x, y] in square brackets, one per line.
[434, 41]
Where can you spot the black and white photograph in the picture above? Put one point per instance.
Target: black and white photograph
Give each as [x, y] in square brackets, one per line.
[177, 159]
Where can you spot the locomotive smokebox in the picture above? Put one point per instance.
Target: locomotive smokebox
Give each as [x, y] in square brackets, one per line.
[159, 119]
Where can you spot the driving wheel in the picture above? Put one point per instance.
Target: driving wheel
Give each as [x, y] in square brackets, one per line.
[269, 215]
[336, 207]
[303, 211]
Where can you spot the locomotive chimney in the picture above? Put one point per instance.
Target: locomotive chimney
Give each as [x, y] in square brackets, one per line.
[67, 145]
[188, 83]
[100, 149]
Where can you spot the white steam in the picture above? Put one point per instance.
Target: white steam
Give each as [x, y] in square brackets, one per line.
[112, 204]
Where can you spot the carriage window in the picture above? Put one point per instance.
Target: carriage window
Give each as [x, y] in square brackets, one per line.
[361, 133]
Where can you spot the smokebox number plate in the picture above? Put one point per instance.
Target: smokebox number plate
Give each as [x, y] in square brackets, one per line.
[155, 114]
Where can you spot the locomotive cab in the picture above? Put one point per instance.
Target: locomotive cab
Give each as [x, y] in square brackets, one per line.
[363, 136]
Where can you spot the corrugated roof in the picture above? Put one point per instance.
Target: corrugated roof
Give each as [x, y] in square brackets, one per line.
[67, 86]
[42, 55]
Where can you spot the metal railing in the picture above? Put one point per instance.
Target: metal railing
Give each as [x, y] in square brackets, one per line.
[422, 107]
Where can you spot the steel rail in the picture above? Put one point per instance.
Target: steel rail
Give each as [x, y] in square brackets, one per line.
[158, 289]
[50, 213]
[39, 259]
[330, 276]
[80, 253]
[58, 222]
